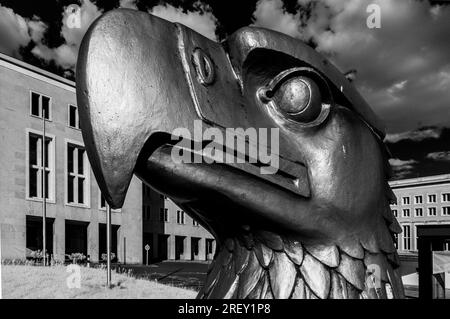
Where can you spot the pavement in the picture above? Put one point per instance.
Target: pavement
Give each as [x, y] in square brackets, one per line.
[187, 274]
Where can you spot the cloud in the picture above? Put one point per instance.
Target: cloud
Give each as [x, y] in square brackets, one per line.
[75, 22]
[402, 168]
[440, 156]
[416, 135]
[15, 31]
[202, 20]
[403, 67]
[128, 4]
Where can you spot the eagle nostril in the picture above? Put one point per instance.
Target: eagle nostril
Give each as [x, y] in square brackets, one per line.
[204, 67]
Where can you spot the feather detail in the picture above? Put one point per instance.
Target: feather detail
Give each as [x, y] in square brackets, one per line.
[338, 289]
[240, 256]
[270, 239]
[282, 275]
[352, 270]
[299, 289]
[316, 276]
[226, 283]
[249, 277]
[329, 255]
[263, 254]
[294, 251]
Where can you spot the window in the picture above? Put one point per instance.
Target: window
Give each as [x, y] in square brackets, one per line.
[446, 197]
[195, 223]
[77, 175]
[35, 168]
[418, 212]
[180, 217]
[405, 200]
[406, 213]
[40, 105]
[163, 215]
[394, 211]
[418, 199]
[73, 120]
[446, 211]
[432, 198]
[406, 237]
[431, 211]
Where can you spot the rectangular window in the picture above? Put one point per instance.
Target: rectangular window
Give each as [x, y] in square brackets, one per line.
[418, 199]
[406, 237]
[418, 212]
[446, 211]
[35, 167]
[73, 120]
[432, 198]
[195, 223]
[163, 215]
[446, 197]
[405, 200]
[40, 105]
[209, 246]
[394, 211]
[431, 211]
[77, 175]
[406, 213]
[180, 217]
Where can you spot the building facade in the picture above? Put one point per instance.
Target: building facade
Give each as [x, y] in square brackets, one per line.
[75, 209]
[420, 201]
[171, 233]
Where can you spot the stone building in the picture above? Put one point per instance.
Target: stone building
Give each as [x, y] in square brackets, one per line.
[420, 201]
[76, 213]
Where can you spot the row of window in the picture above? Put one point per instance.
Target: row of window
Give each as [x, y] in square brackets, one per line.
[41, 171]
[418, 212]
[41, 106]
[407, 240]
[431, 199]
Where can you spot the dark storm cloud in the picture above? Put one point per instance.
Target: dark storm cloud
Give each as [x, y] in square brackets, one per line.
[403, 67]
[422, 152]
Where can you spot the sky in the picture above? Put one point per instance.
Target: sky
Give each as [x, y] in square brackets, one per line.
[403, 67]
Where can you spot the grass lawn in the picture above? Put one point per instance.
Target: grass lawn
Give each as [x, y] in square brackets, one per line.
[21, 282]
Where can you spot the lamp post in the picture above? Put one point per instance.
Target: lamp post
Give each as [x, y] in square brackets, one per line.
[108, 245]
[43, 192]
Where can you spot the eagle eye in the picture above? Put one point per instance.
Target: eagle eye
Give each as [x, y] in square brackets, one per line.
[298, 94]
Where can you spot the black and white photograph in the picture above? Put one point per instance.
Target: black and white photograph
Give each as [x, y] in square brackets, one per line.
[188, 150]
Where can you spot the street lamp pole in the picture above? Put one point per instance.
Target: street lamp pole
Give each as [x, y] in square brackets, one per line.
[108, 245]
[43, 192]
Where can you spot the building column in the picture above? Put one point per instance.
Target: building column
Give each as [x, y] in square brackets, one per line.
[201, 249]
[59, 238]
[171, 247]
[92, 238]
[187, 248]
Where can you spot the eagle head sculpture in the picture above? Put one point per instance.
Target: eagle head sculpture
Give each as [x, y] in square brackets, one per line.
[313, 223]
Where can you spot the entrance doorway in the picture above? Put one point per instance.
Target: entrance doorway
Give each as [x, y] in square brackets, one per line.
[179, 246]
[430, 238]
[34, 236]
[195, 243]
[76, 237]
[162, 247]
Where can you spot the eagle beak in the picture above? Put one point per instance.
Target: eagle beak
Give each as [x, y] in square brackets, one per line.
[121, 85]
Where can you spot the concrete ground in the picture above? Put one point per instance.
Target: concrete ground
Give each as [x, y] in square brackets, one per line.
[188, 274]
